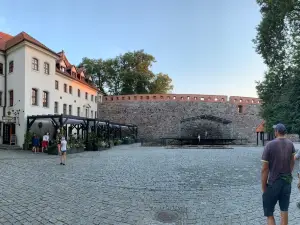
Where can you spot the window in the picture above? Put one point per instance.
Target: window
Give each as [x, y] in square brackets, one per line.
[45, 99]
[97, 98]
[11, 67]
[0, 98]
[63, 69]
[55, 107]
[86, 112]
[1, 68]
[70, 109]
[11, 98]
[78, 93]
[65, 88]
[34, 96]
[46, 68]
[86, 95]
[70, 89]
[92, 113]
[78, 111]
[95, 114]
[92, 98]
[78, 76]
[240, 108]
[35, 64]
[65, 109]
[56, 85]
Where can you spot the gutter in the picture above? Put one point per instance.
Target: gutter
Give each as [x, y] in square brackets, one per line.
[5, 84]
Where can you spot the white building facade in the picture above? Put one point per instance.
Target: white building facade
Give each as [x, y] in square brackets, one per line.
[34, 80]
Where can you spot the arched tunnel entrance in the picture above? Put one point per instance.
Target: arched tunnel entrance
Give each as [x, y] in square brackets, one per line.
[208, 127]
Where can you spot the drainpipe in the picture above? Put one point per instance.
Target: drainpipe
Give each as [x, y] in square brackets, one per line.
[5, 84]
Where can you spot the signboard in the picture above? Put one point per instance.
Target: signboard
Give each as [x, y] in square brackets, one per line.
[13, 139]
[8, 119]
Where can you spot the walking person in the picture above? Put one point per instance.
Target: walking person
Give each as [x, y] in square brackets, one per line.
[276, 175]
[35, 143]
[63, 150]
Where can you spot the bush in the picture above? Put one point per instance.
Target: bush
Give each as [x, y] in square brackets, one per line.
[52, 150]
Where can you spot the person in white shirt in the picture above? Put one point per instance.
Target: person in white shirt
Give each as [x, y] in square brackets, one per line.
[45, 142]
[63, 149]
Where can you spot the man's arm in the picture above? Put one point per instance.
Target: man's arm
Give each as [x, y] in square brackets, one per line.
[264, 176]
[292, 163]
[265, 168]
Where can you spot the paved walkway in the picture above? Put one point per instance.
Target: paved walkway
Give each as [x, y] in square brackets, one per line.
[135, 186]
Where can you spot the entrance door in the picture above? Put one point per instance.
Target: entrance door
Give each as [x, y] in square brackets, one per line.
[8, 130]
[6, 133]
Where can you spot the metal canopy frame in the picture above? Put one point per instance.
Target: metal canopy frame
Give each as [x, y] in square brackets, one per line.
[207, 117]
[109, 129]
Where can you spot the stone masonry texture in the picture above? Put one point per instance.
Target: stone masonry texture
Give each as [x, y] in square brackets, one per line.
[158, 119]
[131, 185]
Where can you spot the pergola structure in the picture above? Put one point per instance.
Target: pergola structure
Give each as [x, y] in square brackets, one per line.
[109, 130]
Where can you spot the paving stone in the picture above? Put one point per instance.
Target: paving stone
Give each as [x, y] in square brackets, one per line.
[132, 184]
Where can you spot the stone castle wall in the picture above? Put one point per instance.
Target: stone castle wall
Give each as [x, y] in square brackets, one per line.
[159, 116]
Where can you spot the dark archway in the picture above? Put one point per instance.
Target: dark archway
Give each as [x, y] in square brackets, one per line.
[207, 126]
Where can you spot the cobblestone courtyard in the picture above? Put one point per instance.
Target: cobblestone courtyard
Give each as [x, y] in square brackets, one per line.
[135, 185]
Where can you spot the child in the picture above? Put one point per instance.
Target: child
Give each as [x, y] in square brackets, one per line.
[35, 143]
[45, 142]
[63, 149]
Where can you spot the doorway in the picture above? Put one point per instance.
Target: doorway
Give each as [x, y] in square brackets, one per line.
[8, 130]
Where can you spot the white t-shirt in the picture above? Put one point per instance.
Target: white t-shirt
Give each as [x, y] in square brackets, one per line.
[63, 146]
[45, 137]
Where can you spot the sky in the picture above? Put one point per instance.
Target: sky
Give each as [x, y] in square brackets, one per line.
[205, 46]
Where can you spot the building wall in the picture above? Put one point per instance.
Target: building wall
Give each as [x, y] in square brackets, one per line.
[161, 117]
[16, 83]
[24, 79]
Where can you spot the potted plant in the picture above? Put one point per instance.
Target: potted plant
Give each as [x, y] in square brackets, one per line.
[27, 140]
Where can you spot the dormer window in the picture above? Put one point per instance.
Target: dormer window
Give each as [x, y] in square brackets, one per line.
[78, 76]
[63, 69]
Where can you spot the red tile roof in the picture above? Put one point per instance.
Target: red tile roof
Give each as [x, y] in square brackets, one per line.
[8, 41]
[23, 36]
[261, 127]
[3, 39]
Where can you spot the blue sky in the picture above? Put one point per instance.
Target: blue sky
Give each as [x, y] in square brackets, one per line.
[204, 45]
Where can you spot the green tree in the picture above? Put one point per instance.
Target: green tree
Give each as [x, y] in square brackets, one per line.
[96, 68]
[278, 42]
[129, 73]
[161, 84]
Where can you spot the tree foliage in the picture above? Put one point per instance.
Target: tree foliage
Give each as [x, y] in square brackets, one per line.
[129, 73]
[278, 42]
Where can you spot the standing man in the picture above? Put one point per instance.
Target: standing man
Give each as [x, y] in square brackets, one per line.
[278, 164]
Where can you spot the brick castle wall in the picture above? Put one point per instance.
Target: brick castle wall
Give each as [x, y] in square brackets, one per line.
[159, 115]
